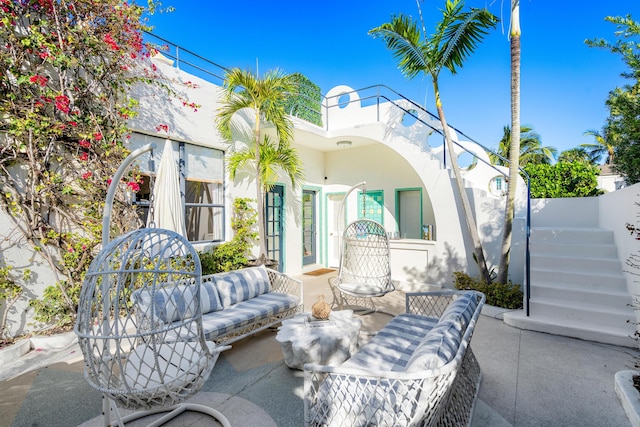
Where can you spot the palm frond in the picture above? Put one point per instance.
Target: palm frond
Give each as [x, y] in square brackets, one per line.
[464, 35]
[402, 38]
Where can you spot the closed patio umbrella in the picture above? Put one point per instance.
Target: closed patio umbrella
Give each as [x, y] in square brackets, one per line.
[167, 211]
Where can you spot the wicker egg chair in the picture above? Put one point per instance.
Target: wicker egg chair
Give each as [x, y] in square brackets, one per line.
[365, 270]
[139, 326]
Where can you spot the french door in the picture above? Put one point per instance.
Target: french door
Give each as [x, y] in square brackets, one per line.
[274, 224]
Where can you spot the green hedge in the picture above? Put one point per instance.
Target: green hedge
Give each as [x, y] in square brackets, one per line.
[307, 102]
[504, 295]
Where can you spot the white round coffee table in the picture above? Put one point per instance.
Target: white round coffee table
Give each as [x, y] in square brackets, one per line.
[329, 342]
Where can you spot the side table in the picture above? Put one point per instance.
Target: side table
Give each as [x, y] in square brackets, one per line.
[328, 342]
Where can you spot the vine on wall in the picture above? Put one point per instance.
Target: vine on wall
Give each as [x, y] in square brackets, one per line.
[306, 103]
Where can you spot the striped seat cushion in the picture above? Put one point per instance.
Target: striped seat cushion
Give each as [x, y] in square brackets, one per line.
[243, 313]
[242, 285]
[392, 347]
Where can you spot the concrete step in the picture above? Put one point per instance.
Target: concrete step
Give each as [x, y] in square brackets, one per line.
[614, 282]
[600, 265]
[621, 335]
[551, 248]
[572, 235]
[610, 298]
[581, 312]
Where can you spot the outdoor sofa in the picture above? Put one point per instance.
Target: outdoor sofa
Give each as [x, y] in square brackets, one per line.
[418, 370]
[234, 304]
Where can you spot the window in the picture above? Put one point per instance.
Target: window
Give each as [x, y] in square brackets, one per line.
[370, 205]
[204, 216]
[498, 183]
[201, 184]
[409, 213]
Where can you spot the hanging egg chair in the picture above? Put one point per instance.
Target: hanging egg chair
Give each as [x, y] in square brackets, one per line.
[139, 325]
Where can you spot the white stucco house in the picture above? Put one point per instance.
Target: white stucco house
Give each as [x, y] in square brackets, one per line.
[395, 147]
[399, 155]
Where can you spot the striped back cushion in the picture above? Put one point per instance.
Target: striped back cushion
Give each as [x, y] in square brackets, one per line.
[209, 297]
[173, 302]
[437, 348]
[167, 303]
[240, 285]
[460, 311]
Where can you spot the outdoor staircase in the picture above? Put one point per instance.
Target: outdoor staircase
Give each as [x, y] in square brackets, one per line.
[577, 287]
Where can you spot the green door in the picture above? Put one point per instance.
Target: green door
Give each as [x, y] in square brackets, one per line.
[274, 224]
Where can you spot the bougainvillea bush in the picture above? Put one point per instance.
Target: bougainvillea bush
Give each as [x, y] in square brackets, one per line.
[66, 70]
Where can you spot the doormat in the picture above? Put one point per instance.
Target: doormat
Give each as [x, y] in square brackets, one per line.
[320, 272]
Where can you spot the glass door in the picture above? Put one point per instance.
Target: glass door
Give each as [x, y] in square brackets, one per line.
[274, 224]
[309, 234]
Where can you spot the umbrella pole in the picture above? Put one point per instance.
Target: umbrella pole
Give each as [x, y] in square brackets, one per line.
[111, 193]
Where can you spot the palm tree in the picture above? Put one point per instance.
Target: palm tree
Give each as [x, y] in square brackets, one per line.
[266, 97]
[531, 149]
[514, 149]
[577, 154]
[455, 38]
[603, 146]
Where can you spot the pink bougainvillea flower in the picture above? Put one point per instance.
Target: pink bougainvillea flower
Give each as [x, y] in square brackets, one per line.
[41, 80]
[109, 181]
[162, 127]
[86, 175]
[62, 103]
[84, 143]
[84, 157]
[133, 185]
[108, 39]
[74, 124]
[97, 136]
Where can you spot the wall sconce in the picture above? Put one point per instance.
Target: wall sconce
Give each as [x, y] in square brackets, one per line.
[343, 144]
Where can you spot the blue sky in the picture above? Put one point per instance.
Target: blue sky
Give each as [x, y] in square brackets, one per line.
[564, 82]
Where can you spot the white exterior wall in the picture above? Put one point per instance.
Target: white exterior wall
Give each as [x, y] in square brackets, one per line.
[616, 209]
[19, 254]
[562, 212]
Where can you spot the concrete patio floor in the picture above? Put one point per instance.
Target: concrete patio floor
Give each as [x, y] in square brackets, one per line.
[528, 379]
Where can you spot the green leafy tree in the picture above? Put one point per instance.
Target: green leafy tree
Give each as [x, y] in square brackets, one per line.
[531, 148]
[456, 37]
[576, 179]
[578, 154]
[267, 98]
[624, 121]
[622, 128]
[66, 69]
